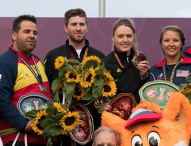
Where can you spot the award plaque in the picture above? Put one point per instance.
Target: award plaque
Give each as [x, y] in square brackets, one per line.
[33, 101]
[158, 91]
[122, 105]
[84, 131]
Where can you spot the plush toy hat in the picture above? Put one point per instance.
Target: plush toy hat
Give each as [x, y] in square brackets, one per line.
[150, 126]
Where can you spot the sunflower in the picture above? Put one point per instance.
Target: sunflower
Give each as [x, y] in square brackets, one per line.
[79, 92]
[185, 90]
[109, 89]
[69, 121]
[35, 125]
[88, 79]
[59, 108]
[64, 132]
[108, 76]
[91, 62]
[59, 62]
[73, 77]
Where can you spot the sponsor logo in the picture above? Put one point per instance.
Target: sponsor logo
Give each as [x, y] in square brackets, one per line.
[118, 70]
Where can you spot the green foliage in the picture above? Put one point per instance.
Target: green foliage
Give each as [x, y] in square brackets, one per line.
[56, 97]
[31, 113]
[186, 88]
[73, 61]
[69, 91]
[53, 129]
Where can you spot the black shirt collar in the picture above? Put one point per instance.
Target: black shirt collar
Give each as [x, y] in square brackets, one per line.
[72, 48]
[123, 55]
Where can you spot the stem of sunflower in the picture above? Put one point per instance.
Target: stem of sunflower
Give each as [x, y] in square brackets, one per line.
[8, 132]
[49, 142]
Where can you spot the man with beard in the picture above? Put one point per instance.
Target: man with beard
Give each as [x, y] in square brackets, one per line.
[21, 74]
[77, 47]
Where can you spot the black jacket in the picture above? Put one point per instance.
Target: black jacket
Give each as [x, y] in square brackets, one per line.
[52, 73]
[127, 79]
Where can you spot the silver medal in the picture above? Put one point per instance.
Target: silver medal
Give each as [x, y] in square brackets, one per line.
[42, 87]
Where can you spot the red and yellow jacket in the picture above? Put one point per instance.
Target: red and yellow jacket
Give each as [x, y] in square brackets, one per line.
[17, 80]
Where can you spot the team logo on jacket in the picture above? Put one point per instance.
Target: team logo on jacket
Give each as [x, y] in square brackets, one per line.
[160, 77]
[25, 74]
[118, 70]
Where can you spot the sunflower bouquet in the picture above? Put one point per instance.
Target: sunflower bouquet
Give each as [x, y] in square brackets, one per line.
[186, 88]
[88, 80]
[52, 120]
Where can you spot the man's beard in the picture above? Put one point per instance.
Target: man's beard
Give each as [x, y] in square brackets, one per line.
[77, 40]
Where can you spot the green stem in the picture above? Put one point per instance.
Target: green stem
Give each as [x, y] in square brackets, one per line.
[49, 142]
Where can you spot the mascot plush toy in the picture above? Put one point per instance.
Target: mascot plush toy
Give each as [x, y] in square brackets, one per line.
[148, 125]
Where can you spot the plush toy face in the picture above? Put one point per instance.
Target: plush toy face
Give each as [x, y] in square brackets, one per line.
[173, 129]
[159, 133]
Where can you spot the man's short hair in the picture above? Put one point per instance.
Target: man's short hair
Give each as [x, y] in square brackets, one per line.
[19, 19]
[73, 13]
[104, 128]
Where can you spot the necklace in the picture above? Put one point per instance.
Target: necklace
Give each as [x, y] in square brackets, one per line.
[173, 71]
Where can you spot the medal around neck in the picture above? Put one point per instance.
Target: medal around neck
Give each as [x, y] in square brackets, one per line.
[33, 101]
[42, 87]
[158, 91]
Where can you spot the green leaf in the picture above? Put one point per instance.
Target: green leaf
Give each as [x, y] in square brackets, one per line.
[53, 130]
[182, 86]
[61, 73]
[100, 71]
[58, 116]
[51, 109]
[78, 68]
[54, 118]
[188, 79]
[32, 113]
[88, 94]
[56, 97]
[44, 123]
[97, 90]
[189, 97]
[99, 83]
[69, 89]
[71, 60]
[85, 71]
[56, 82]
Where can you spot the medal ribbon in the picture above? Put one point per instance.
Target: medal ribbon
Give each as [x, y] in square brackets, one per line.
[38, 75]
[119, 61]
[72, 55]
[172, 74]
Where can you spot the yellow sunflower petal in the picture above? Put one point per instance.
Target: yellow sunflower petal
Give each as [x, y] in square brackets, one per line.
[109, 89]
[108, 76]
[73, 77]
[88, 79]
[59, 62]
[95, 62]
[59, 108]
[79, 93]
[35, 125]
[69, 121]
